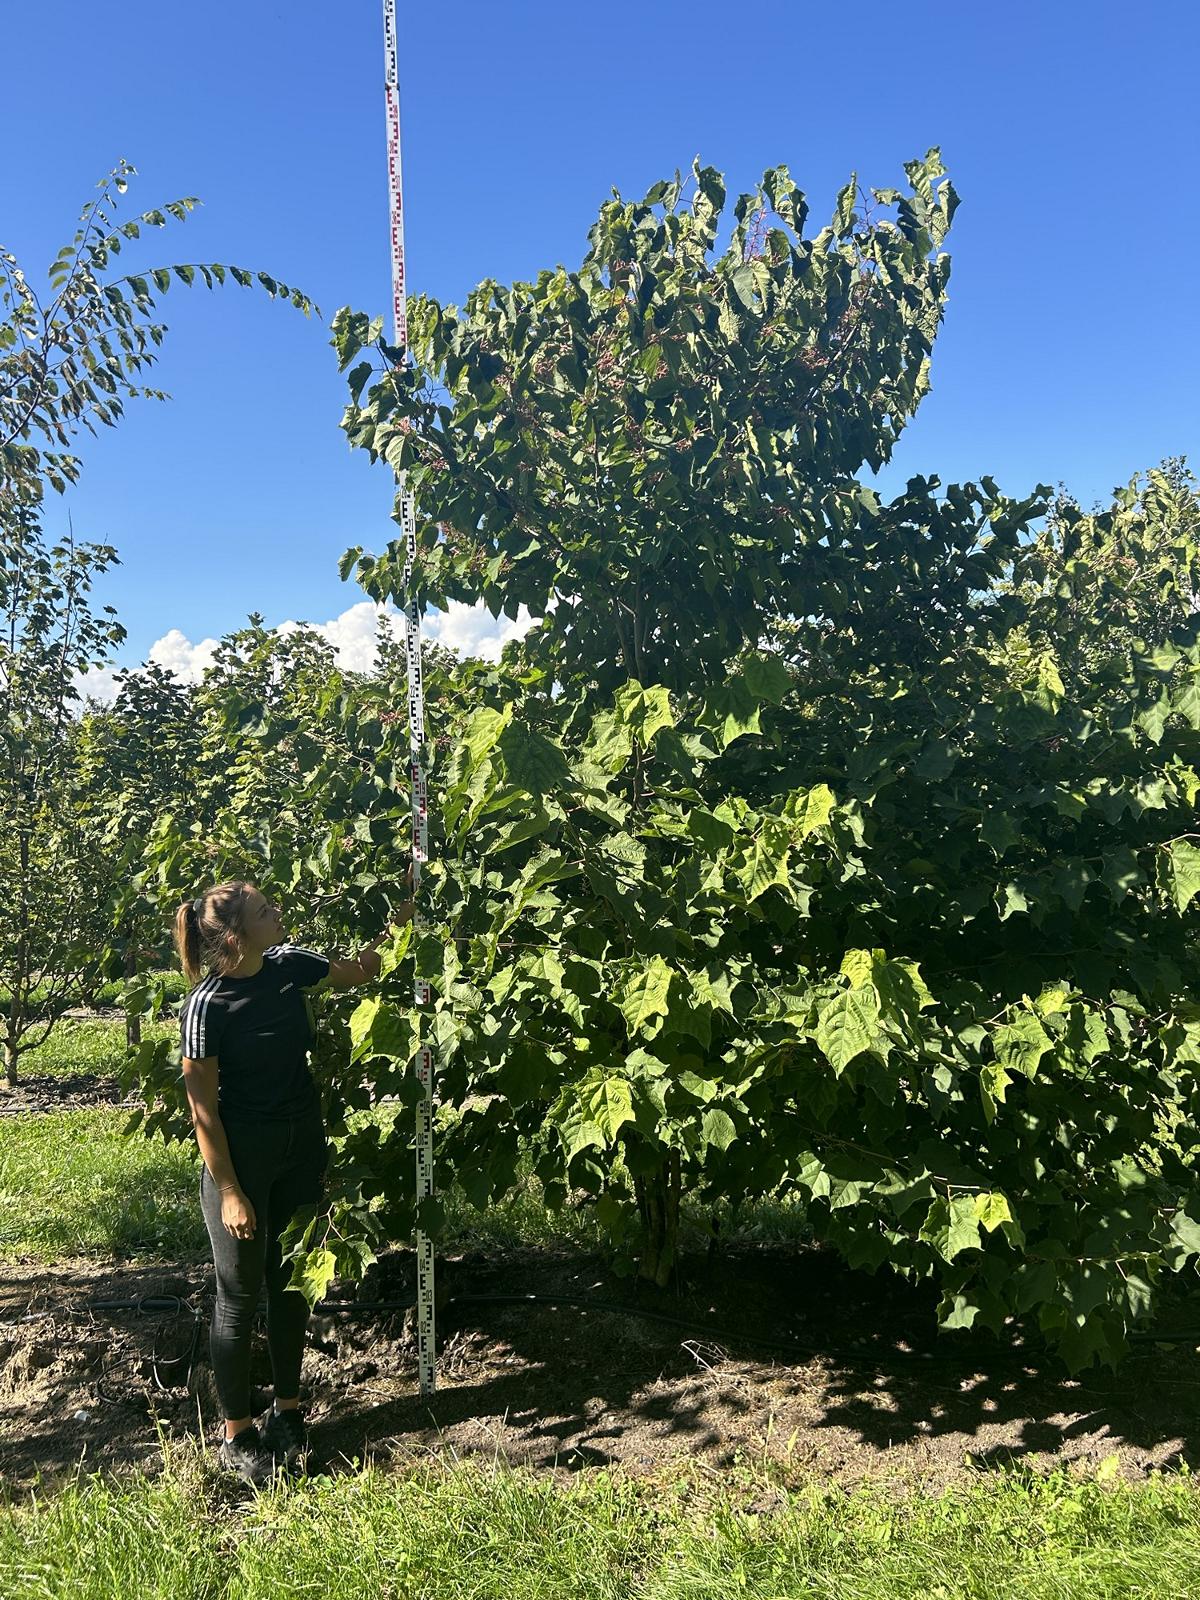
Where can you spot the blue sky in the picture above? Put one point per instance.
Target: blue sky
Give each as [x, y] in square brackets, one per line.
[1070, 347]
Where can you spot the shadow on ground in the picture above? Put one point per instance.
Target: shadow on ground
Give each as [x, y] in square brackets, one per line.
[868, 1390]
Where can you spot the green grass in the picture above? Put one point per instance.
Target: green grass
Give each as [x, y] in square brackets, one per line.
[174, 984]
[464, 1532]
[72, 1184]
[80, 1044]
[522, 1218]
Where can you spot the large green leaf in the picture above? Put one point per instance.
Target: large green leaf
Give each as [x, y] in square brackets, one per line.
[483, 731]
[713, 987]
[992, 1210]
[644, 711]
[611, 1106]
[710, 831]
[312, 1273]
[1183, 872]
[767, 862]
[718, 1128]
[730, 711]
[1021, 1043]
[811, 809]
[952, 1226]
[610, 741]
[378, 1028]
[644, 997]
[847, 1026]
[532, 761]
[766, 677]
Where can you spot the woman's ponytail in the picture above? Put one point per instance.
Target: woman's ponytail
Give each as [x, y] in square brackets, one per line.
[209, 931]
[187, 942]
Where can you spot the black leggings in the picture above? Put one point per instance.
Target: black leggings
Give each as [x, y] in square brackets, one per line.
[280, 1166]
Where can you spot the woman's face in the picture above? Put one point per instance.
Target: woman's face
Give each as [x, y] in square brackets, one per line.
[263, 925]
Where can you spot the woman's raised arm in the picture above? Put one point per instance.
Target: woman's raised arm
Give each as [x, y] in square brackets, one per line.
[364, 968]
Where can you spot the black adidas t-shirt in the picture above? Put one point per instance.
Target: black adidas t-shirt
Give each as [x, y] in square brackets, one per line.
[258, 1029]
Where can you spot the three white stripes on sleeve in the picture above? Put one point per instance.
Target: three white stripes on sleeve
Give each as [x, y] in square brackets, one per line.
[194, 1015]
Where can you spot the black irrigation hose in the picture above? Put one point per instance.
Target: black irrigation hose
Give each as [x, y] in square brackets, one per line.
[589, 1303]
[180, 1307]
[146, 1302]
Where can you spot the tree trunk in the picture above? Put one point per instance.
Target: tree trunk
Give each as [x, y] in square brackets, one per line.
[660, 1217]
[133, 1020]
[10, 1064]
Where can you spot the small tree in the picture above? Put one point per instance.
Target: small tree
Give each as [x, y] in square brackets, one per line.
[53, 884]
[69, 359]
[137, 758]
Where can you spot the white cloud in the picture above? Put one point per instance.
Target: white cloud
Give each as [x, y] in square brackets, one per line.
[473, 631]
[467, 630]
[97, 683]
[185, 660]
[352, 634]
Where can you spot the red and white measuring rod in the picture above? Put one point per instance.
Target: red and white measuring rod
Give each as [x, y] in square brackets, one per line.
[416, 716]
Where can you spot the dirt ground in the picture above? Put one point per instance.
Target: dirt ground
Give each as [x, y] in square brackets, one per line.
[872, 1392]
[80, 1091]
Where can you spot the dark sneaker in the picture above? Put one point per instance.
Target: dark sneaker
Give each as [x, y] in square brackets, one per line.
[246, 1455]
[285, 1436]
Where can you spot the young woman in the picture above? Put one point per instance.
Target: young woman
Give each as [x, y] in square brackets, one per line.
[257, 1114]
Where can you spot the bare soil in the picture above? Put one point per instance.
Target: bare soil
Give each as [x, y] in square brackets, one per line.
[81, 1091]
[868, 1392]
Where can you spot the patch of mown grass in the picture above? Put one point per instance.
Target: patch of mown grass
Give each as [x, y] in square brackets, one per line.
[72, 1184]
[448, 1531]
[523, 1218]
[86, 1044]
[174, 986]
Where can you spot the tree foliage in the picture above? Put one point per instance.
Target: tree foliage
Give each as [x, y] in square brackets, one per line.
[53, 884]
[71, 355]
[641, 440]
[136, 758]
[1099, 583]
[908, 936]
[297, 780]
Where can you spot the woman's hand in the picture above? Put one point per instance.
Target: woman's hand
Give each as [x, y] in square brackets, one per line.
[237, 1214]
[371, 963]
